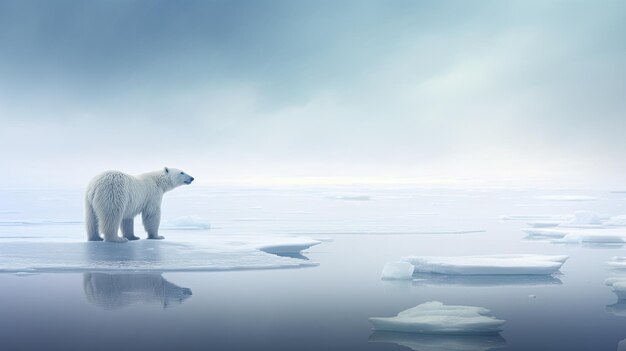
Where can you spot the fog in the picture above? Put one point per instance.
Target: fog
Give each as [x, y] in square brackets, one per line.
[287, 92]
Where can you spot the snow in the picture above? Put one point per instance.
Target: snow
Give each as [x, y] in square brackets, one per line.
[436, 318]
[187, 222]
[584, 217]
[618, 285]
[423, 342]
[397, 270]
[488, 264]
[215, 253]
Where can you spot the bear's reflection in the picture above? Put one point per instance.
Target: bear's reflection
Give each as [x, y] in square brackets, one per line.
[117, 290]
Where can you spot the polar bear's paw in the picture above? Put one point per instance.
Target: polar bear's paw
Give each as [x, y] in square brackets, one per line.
[132, 237]
[157, 237]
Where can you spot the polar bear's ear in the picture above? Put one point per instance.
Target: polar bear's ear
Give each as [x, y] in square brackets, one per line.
[167, 170]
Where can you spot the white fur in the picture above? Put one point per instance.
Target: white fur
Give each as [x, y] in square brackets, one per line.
[113, 199]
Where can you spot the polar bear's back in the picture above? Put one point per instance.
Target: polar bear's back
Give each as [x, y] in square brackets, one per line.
[110, 190]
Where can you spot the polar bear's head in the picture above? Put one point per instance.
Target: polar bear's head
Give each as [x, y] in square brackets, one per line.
[177, 177]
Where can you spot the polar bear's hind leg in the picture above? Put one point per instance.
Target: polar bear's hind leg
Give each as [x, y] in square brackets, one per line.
[91, 222]
[128, 229]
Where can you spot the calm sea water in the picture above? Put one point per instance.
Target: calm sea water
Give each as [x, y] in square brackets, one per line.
[316, 308]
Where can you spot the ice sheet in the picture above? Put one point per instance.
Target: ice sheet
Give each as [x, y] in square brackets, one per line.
[220, 253]
[436, 318]
[187, 223]
[397, 270]
[488, 265]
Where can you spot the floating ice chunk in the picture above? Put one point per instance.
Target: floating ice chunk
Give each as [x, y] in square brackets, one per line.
[617, 309]
[436, 318]
[288, 245]
[489, 264]
[559, 218]
[424, 342]
[618, 262]
[618, 285]
[585, 217]
[591, 237]
[397, 270]
[567, 197]
[188, 223]
[544, 224]
[616, 221]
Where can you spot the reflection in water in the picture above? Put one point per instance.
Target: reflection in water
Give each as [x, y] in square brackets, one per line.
[485, 280]
[298, 255]
[111, 291]
[423, 342]
[617, 309]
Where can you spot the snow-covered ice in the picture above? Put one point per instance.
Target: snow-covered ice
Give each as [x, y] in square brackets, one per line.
[488, 264]
[397, 270]
[187, 222]
[436, 318]
[424, 342]
[215, 253]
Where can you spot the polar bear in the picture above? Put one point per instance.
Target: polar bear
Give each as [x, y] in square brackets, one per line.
[113, 199]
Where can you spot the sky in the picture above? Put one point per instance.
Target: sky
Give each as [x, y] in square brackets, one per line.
[314, 91]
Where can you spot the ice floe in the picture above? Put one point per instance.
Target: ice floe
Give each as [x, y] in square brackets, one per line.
[424, 342]
[618, 262]
[215, 253]
[436, 318]
[187, 223]
[578, 235]
[397, 270]
[488, 264]
[618, 286]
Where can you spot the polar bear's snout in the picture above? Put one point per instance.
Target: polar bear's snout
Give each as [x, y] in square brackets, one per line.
[188, 181]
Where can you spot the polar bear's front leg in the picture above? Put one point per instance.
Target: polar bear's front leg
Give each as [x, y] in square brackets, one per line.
[128, 229]
[151, 220]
